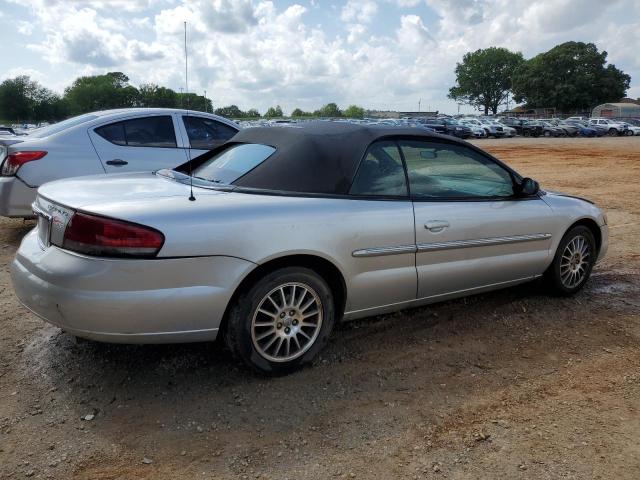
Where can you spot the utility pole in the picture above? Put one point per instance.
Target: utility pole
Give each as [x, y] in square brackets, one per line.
[205, 102]
[181, 98]
[419, 102]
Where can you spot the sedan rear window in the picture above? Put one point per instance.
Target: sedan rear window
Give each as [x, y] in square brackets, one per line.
[232, 163]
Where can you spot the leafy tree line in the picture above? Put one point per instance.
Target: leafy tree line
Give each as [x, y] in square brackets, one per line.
[25, 100]
[570, 76]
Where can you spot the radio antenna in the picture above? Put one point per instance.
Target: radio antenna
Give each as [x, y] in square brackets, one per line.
[192, 198]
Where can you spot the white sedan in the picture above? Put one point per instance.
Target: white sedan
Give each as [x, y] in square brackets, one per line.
[110, 141]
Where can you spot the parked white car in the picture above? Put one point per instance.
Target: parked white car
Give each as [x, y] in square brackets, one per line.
[613, 127]
[110, 141]
[632, 129]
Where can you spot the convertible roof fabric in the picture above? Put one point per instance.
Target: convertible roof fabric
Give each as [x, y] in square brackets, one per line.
[313, 157]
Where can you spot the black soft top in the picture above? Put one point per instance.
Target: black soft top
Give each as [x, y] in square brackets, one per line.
[310, 157]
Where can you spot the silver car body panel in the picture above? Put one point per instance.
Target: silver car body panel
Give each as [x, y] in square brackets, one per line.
[386, 256]
[78, 151]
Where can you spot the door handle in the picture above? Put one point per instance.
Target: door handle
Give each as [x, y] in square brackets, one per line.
[117, 162]
[436, 226]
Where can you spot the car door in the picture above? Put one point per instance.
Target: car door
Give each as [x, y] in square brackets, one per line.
[382, 268]
[471, 230]
[204, 133]
[142, 143]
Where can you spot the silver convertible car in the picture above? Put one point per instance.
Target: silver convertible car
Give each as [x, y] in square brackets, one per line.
[272, 237]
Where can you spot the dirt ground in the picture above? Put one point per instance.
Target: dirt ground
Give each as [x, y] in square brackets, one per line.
[507, 385]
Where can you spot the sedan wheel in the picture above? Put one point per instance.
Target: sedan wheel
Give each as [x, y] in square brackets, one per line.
[287, 322]
[573, 261]
[613, 132]
[282, 321]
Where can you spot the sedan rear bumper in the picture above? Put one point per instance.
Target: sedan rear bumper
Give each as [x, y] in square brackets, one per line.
[16, 198]
[126, 300]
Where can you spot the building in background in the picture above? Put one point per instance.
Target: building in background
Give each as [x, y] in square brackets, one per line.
[623, 109]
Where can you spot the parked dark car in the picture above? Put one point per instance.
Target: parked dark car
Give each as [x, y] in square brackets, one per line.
[537, 128]
[449, 126]
[586, 130]
[514, 123]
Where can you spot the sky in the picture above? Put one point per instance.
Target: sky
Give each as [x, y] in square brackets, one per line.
[380, 54]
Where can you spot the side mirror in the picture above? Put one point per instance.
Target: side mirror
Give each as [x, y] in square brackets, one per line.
[529, 187]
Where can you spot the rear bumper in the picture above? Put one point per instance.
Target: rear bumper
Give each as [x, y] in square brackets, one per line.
[16, 198]
[126, 301]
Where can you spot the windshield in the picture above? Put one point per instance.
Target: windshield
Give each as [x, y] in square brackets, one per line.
[60, 126]
[232, 163]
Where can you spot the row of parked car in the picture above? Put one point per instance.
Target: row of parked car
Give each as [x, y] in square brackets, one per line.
[116, 141]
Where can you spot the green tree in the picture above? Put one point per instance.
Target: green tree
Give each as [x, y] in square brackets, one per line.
[354, 111]
[483, 78]
[274, 112]
[232, 111]
[570, 76]
[329, 110]
[297, 112]
[99, 92]
[154, 96]
[23, 99]
[253, 113]
[195, 102]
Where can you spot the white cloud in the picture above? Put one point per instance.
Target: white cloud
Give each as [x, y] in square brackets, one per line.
[257, 53]
[360, 11]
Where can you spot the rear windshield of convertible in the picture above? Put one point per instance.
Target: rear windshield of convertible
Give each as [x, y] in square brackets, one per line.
[233, 162]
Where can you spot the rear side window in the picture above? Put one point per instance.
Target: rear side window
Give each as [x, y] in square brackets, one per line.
[206, 133]
[141, 132]
[381, 172]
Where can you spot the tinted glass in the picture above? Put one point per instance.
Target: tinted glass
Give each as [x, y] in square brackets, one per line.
[150, 132]
[381, 172]
[113, 133]
[441, 170]
[206, 133]
[233, 162]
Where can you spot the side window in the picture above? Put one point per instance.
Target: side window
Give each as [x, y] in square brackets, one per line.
[381, 172]
[442, 170]
[113, 133]
[141, 132]
[206, 133]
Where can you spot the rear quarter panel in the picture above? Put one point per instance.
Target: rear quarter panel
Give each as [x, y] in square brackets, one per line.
[259, 228]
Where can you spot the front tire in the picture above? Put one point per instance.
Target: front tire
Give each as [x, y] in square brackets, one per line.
[282, 321]
[573, 262]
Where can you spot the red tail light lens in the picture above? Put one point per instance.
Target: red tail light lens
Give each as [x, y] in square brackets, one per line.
[15, 160]
[105, 237]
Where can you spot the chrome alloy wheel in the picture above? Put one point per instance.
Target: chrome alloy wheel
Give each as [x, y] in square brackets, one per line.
[574, 262]
[287, 322]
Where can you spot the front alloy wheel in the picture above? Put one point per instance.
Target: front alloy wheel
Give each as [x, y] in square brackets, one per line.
[281, 321]
[573, 261]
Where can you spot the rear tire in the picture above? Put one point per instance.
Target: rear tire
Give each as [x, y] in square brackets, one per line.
[272, 326]
[613, 132]
[572, 263]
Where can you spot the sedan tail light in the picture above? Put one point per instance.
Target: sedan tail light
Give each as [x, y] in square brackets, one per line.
[15, 160]
[106, 237]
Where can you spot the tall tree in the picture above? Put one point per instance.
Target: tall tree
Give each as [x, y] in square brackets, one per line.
[232, 111]
[100, 92]
[154, 96]
[23, 99]
[570, 76]
[274, 112]
[483, 78]
[329, 110]
[354, 111]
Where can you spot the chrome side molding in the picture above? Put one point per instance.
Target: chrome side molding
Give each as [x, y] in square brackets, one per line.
[481, 242]
[432, 247]
[381, 251]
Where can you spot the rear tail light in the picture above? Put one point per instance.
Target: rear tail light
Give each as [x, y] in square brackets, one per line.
[106, 237]
[15, 160]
